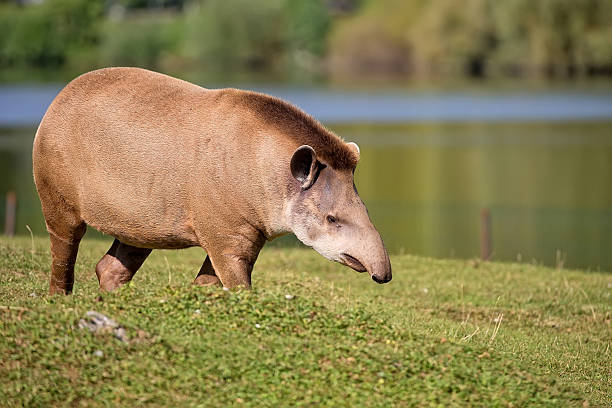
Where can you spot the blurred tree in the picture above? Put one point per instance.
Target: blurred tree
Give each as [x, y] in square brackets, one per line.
[479, 37]
[373, 41]
[44, 35]
[142, 41]
[553, 37]
[151, 4]
[307, 26]
[296, 37]
[234, 35]
[447, 39]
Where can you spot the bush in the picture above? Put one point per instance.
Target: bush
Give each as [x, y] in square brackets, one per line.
[516, 37]
[140, 41]
[553, 37]
[308, 26]
[235, 35]
[373, 40]
[44, 35]
[289, 37]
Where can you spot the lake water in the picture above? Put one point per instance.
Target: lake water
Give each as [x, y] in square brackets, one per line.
[541, 163]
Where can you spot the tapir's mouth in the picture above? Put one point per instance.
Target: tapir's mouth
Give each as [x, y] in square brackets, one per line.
[352, 263]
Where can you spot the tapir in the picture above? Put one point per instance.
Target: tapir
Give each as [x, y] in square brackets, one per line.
[158, 163]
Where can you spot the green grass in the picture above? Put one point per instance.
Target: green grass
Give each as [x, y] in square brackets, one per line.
[442, 333]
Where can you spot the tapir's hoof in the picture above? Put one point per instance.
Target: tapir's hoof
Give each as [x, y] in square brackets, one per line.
[207, 280]
[58, 290]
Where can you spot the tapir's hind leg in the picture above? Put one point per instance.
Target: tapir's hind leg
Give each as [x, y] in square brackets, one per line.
[207, 275]
[64, 248]
[119, 265]
[66, 228]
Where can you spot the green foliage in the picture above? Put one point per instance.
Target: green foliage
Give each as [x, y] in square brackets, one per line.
[556, 37]
[234, 35]
[373, 40]
[46, 34]
[140, 4]
[442, 333]
[142, 41]
[308, 25]
[385, 37]
[242, 35]
[516, 37]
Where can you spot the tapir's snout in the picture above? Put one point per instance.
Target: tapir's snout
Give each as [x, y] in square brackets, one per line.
[381, 273]
[372, 259]
[376, 257]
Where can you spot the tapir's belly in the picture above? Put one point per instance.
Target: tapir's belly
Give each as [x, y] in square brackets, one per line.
[139, 220]
[140, 201]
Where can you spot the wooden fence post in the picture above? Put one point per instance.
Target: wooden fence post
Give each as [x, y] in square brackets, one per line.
[10, 213]
[486, 241]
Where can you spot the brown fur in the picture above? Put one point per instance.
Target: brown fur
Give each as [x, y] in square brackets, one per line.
[300, 126]
[157, 162]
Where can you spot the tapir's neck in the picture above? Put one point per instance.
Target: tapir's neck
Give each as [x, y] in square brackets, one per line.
[275, 223]
[278, 205]
[273, 199]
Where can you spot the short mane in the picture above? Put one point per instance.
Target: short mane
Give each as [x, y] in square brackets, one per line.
[302, 127]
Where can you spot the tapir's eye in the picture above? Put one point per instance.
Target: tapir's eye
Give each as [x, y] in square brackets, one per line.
[331, 219]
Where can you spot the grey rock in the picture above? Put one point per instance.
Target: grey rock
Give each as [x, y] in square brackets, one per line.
[96, 322]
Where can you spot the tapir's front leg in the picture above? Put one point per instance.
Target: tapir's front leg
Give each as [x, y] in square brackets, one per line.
[235, 271]
[232, 259]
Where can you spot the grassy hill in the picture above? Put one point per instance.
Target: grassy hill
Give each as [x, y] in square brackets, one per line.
[311, 333]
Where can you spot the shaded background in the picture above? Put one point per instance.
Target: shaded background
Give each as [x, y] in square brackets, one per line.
[505, 106]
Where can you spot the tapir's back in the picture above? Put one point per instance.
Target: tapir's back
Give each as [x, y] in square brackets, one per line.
[122, 145]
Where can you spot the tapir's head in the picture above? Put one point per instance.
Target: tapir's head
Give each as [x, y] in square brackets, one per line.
[326, 213]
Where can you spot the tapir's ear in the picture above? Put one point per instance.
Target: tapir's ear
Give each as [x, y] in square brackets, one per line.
[353, 146]
[304, 166]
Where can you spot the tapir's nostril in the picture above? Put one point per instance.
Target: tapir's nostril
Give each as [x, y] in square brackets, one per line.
[379, 280]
